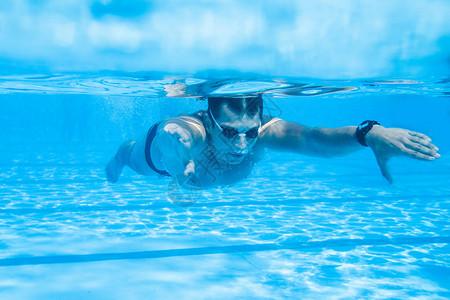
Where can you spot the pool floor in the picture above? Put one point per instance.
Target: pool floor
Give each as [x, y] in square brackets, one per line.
[297, 228]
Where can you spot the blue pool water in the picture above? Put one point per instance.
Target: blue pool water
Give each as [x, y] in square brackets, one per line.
[297, 228]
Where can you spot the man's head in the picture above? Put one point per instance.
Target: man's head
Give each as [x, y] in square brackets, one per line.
[233, 125]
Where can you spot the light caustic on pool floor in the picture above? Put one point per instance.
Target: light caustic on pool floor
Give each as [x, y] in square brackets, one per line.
[313, 233]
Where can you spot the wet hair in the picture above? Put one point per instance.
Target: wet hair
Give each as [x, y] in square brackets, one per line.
[249, 105]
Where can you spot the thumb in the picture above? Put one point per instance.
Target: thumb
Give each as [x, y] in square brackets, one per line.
[188, 177]
[383, 164]
[190, 169]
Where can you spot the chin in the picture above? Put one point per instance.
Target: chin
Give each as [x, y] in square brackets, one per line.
[234, 158]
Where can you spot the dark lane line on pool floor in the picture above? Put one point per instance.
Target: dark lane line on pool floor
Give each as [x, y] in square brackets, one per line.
[166, 204]
[299, 246]
[85, 179]
[89, 178]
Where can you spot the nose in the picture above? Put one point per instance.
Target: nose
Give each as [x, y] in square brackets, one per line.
[241, 145]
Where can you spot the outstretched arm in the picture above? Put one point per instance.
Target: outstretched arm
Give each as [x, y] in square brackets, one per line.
[331, 142]
[178, 140]
[313, 141]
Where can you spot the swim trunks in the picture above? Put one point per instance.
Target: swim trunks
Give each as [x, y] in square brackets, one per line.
[148, 143]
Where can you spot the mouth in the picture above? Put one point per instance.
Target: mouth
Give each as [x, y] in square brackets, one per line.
[235, 157]
[237, 154]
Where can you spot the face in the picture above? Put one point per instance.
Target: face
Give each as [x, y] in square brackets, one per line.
[233, 135]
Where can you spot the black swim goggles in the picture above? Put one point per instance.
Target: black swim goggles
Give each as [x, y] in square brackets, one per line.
[230, 132]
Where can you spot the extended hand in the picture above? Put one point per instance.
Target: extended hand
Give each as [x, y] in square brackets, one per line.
[389, 142]
[176, 143]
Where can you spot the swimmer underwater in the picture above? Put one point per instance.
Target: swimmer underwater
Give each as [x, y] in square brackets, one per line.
[221, 145]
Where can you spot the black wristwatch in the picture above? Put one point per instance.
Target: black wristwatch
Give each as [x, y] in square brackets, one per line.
[363, 129]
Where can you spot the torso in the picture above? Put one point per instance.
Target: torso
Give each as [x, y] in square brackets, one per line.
[211, 171]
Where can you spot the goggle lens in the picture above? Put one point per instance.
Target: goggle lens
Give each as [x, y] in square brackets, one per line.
[231, 133]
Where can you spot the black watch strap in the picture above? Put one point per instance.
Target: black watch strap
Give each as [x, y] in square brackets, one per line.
[363, 129]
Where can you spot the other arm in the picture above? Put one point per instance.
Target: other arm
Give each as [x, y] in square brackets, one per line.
[313, 141]
[331, 142]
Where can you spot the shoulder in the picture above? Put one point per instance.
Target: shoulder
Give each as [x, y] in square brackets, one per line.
[268, 120]
[266, 132]
[276, 133]
[268, 124]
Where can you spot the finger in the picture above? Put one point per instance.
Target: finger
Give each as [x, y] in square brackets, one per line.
[182, 135]
[170, 128]
[178, 132]
[416, 151]
[419, 135]
[185, 142]
[424, 142]
[383, 164]
[421, 141]
[423, 147]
